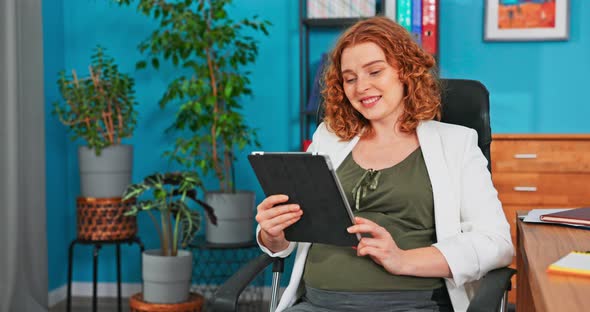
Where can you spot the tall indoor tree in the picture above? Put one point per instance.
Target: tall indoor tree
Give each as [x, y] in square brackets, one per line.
[214, 50]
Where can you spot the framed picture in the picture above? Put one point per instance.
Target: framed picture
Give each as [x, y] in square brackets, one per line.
[526, 20]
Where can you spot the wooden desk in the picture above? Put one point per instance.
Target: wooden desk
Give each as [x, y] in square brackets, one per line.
[540, 171]
[538, 246]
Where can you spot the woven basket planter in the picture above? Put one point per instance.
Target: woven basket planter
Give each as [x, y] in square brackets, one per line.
[194, 304]
[102, 219]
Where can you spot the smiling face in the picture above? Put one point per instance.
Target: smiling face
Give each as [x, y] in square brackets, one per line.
[371, 84]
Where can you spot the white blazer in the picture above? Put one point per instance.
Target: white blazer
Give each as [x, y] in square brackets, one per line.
[471, 229]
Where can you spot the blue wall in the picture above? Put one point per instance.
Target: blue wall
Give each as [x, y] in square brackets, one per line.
[59, 224]
[534, 86]
[80, 25]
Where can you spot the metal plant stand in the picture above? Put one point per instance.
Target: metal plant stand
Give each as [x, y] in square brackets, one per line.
[215, 263]
[97, 246]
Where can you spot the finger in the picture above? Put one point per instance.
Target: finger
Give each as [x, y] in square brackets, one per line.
[375, 230]
[360, 220]
[279, 228]
[373, 242]
[271, 222]
[373, 252]
[276, 211]
[272, 201]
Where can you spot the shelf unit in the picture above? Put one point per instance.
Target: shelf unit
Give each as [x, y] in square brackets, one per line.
[306, 118]
[306, 25]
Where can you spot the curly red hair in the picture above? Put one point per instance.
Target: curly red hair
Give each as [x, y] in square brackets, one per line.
[415, 67]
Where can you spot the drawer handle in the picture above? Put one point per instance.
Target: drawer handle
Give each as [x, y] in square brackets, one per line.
[525, 156]
[525, 188]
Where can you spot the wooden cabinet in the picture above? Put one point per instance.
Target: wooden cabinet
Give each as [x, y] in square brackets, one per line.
[540, 171]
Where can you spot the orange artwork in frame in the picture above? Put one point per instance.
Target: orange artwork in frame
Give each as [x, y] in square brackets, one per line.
[526, 20]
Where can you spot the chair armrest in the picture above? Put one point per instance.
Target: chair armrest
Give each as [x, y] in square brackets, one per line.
[491, 290]
[226, 297]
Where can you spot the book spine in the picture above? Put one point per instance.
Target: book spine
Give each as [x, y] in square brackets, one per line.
[362, 8]
[312, 9]
[341, 8]
[390, 9]
[417, 20]
[430, 26]
[404, 14]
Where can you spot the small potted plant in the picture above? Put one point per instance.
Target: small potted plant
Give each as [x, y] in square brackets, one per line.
[213, 50]
[99, 108]
[167, 271]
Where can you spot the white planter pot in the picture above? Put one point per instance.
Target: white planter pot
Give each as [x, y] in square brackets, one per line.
[166, 279]
[235, 217]
[107, 175]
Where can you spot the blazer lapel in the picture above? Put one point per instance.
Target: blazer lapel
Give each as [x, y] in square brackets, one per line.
[338, 150]
[446, 209]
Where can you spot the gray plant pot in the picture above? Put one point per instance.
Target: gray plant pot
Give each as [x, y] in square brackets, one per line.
[107, 175]
[235, 217]
[166, 279]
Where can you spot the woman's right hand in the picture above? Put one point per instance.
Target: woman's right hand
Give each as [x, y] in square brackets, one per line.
[273, 218]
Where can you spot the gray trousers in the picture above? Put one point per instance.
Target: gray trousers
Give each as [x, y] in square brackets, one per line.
[317, 300]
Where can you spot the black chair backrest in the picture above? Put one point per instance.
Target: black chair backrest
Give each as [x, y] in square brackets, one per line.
[465, 103]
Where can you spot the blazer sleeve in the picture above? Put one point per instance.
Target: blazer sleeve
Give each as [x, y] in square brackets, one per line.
[484, 242]
[281, 254]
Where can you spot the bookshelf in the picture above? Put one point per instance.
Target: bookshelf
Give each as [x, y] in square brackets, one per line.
[421, 25]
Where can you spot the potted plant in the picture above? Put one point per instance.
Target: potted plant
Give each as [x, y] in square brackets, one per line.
[213, 50]
[167, 271]
[99, 109]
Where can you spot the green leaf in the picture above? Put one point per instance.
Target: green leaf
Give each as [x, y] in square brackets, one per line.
[134, 190]
[155, 63]
[201, 38]
[228, 89]
[140, 65]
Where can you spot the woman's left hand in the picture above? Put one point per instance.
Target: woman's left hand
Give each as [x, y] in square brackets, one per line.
[380, 247]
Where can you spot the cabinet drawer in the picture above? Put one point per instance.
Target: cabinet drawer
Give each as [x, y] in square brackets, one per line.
[560, 190]
[541, 156]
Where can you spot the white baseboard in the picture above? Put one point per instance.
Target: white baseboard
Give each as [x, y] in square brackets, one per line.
[84, 289]
[57, 295]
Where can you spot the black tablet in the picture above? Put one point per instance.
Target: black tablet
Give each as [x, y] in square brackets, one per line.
[310, 181]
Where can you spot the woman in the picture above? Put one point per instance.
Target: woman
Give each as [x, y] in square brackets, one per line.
[422, 195]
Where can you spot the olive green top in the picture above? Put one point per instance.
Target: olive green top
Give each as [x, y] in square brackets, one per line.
[398, 198]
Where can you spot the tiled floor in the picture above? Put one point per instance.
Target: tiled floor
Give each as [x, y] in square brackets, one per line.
[84, 304]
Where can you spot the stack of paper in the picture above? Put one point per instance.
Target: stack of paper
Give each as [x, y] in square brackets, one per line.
[574, 263]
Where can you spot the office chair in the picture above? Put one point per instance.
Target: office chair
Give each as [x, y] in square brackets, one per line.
[464, 102]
